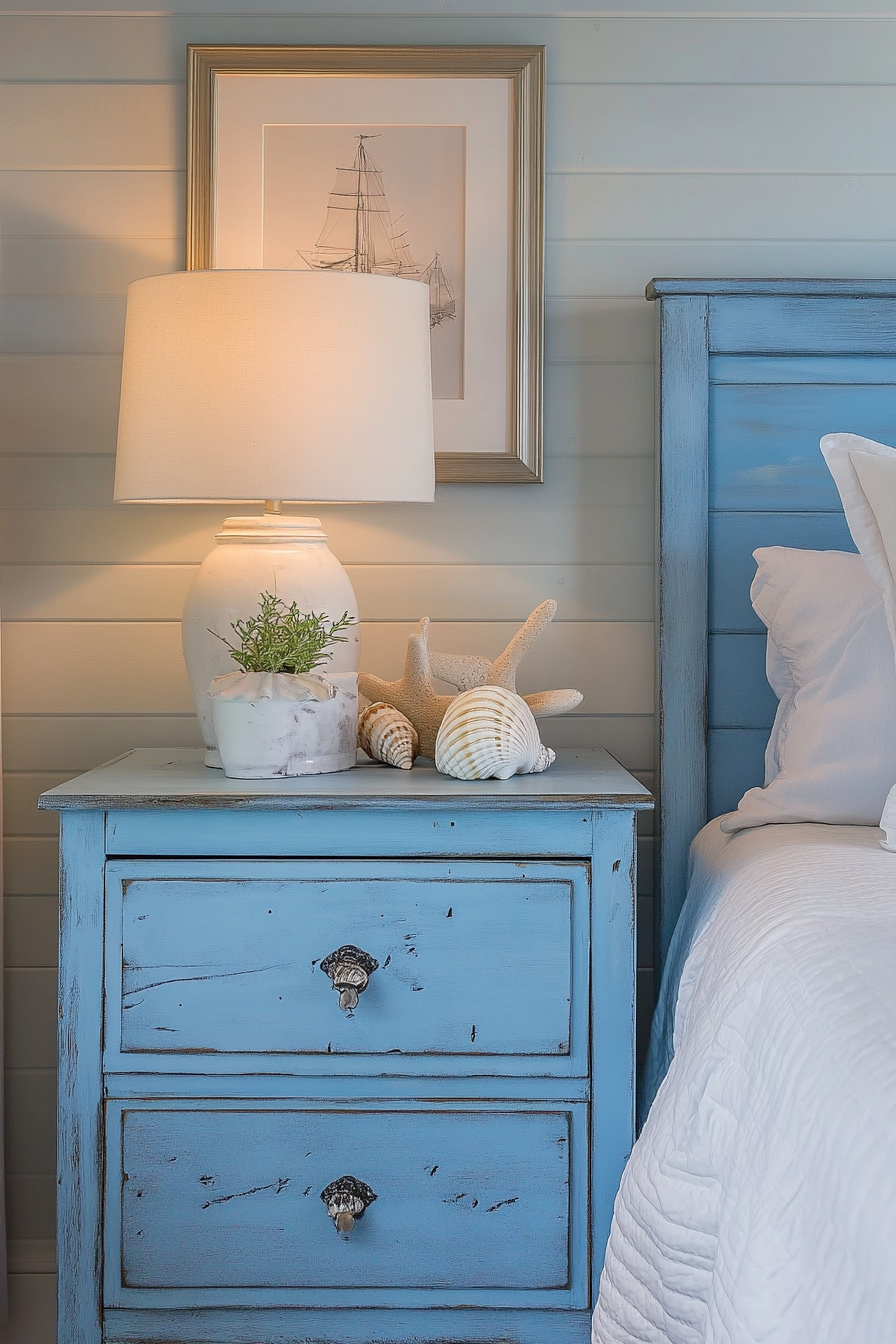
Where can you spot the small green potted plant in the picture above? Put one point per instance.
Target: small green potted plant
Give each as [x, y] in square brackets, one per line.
[278, 716]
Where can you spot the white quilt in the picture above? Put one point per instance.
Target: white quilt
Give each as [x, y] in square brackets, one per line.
[759, 1203]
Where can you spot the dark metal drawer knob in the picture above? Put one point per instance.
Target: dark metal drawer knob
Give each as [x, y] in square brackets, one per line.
[349, 968]
[346, 1199]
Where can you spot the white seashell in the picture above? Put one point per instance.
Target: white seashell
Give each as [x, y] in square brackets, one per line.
[490, 733]
[388, 736]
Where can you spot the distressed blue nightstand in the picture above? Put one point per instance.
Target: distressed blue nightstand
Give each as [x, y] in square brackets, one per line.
[212, 1088]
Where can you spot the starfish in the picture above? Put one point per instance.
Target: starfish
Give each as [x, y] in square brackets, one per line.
[414, 693]
[417, 698]
[465, 671]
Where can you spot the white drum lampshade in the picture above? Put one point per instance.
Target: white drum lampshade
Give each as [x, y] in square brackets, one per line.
[251, 386]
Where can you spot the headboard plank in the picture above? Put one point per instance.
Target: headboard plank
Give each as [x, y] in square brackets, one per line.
[751, 375]
[682, 492]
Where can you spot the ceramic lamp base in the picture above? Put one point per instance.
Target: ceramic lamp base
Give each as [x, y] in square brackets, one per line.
[273, 553]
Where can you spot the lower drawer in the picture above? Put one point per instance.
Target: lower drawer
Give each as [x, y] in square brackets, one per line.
[213, 1203]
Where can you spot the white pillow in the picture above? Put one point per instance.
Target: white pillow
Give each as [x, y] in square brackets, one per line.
[831, 753]
[865, 474]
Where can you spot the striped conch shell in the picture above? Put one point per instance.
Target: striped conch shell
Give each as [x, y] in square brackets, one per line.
[388, 736]
[490, 733]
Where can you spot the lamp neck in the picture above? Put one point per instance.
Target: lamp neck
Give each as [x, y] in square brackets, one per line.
[271, 529]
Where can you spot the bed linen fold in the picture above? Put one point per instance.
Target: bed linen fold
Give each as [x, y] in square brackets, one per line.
[759, 1203]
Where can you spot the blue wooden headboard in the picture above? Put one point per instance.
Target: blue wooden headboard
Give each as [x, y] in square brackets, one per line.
[751, 373]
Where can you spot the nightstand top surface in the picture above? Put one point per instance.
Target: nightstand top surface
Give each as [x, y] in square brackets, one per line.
[156, 777]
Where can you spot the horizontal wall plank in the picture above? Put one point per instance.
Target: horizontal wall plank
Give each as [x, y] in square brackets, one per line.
[716, 47]
[110, 668]
[31, 867]
[31, 1207]
[721, 128]
[29, 482]
[67, 324]
[133, 668]
[622, 268]
[61, 325]
[682, 205]
[85, 265]
[71, 744]
[67, 745]
[95, 206]
[20, 814]
[78, 47]
[35, 1259]
[59, 403]
[587, 329]
[599, 408]
[693, 127]
[91, 126]
[31, 1013]
[30, 930]
[32, 1295]
[577, 327]
[30, 1122]
[628, 737]
[610, 663]
[591, 510]
[120, 204]
[384, 592]
[67, 482]
[94, 592]
[69, 403]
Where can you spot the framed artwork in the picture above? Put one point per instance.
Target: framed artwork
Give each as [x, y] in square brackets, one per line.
[426, 163]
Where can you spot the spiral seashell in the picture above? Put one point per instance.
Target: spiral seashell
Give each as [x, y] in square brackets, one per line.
[490, 733]
[388, 736]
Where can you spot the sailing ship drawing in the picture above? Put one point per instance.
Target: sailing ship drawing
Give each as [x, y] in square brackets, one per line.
[359, 234]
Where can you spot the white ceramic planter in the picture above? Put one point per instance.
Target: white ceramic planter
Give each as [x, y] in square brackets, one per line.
[265, 729]
[274, 553]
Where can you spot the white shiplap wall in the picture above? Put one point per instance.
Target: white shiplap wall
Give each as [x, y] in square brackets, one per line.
[676, 146]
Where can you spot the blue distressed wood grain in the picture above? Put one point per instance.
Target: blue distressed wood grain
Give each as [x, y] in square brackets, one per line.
[613, 1031]
[436, 831]
[804, 324]
[232, 1325]
[535, 943]
[734, 755]
[765, 438]
[79, 1130]
[682, 485]
[225, 958]
[733, 537]
[739, 693]
[790, 361]
[803, 369]
[472, 1204]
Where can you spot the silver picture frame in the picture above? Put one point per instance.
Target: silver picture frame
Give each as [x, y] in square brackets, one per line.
[510, 380]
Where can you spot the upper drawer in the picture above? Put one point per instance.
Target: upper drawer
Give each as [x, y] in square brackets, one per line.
[475, 959]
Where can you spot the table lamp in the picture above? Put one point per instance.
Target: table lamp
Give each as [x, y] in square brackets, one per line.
[270, 386]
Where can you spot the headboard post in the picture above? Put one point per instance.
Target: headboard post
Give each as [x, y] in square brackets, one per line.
[681, 608]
